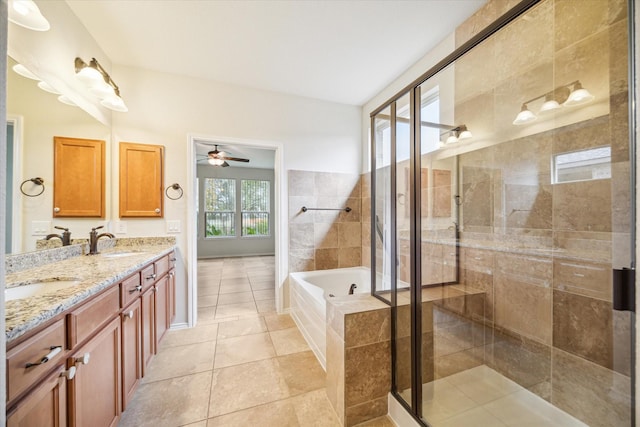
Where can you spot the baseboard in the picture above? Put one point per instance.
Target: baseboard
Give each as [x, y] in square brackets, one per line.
[181, 325]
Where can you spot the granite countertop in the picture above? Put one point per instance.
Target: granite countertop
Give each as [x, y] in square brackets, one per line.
[93, 272]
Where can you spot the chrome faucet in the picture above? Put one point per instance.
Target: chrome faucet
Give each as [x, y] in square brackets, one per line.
[94, 237]
[352, 288]
[65, 237]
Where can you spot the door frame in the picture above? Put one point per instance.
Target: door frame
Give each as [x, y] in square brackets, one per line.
[280, 217]
[16, 201]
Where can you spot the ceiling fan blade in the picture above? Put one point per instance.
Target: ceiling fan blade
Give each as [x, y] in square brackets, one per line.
[235, 159]
[225, 165]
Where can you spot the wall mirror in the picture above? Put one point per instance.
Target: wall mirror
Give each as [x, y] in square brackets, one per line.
[34, 117]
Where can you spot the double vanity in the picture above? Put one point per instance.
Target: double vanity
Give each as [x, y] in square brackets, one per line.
[82, 330]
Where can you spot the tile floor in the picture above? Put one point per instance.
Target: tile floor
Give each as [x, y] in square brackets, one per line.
[481, 397]
[242, 365]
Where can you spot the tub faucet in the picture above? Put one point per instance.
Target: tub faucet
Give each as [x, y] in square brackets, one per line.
[94, 237]
[352, 288]
[65, 237]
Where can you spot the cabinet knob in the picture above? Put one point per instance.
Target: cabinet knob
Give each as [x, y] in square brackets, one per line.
[69, 374]
[157, 210]
[56, 209]
[128, 315]
[84, 360]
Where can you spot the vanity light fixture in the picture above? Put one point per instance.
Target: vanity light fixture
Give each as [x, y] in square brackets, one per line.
[100, 84]
[27, 14]
[578, 96]
[567, 95]
[47, 88]
[24, 72]
[456, 133]
[524, 116]
[65, 100]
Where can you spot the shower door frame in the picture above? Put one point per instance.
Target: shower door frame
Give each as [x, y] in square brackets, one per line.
[414, 408]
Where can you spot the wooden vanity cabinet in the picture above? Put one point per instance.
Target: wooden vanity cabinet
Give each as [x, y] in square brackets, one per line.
[105, 346]
[95, 392]
[131, 324]
[46, 404]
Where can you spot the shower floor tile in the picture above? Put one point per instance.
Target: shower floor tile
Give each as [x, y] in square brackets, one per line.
[482, 397]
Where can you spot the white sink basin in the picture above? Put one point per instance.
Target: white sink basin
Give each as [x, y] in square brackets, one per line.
[38, 288]
[120, 254]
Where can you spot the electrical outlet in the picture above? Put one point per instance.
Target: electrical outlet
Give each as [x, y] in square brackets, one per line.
[120, 227]
[173, 226]
[40, 228]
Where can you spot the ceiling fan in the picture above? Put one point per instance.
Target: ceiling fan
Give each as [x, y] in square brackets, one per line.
[219, 158]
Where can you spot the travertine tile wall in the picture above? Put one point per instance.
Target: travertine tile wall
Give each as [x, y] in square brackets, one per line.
[358, 358]
[322, 240]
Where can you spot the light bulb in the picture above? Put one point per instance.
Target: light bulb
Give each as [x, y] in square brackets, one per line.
[464, 133]
[579, 96]
[48, 88]
[27, 14]
[452, 139]
[549, 105]
[24, 72]
[114, 103]
[524, 116]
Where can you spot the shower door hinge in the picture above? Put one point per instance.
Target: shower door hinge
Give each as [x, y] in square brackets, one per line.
[624, 289]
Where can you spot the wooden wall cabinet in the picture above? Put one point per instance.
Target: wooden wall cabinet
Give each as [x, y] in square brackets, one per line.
[141, 180]
[78, 177]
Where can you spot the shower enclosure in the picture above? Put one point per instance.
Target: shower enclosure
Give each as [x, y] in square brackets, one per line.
[502, 205]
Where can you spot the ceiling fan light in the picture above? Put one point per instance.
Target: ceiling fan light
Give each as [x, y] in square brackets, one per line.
[215, 162]
[27, 14]
[24, 72]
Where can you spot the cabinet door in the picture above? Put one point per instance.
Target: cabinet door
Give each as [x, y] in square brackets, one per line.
[45, 406]
[78, 177]
[162, 308]
[131, 350]
[172, 295]
[141, 180]
[95, 392]
[148, 327]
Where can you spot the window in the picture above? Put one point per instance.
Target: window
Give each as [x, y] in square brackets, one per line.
[582, 165]
[255, 195]
[220, 207]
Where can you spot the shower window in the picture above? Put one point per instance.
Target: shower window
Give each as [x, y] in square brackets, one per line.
[582, 165]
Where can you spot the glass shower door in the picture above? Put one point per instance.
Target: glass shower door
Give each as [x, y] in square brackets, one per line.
[524, 206]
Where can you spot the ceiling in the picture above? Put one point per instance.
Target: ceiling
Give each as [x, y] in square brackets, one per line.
[343, 51]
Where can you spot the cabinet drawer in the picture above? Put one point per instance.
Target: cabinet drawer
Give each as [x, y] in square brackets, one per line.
[130, 289]
[34, 350]
[172, 260]
[162, 266]
[84, 321]
[148, 277]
